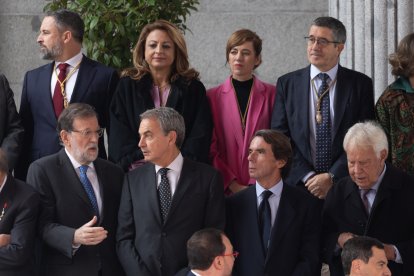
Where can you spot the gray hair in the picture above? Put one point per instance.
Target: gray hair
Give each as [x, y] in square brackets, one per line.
[72, 112]
[338, 29]
[169, 119]
[366, 134]
[4, 165]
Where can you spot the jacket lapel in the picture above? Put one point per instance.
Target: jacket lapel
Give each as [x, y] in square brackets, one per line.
[342, 94]
[44, 93]
[85, 76]
[150, 189]
[302, 87]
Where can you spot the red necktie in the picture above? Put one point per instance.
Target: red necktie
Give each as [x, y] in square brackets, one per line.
[57, 95]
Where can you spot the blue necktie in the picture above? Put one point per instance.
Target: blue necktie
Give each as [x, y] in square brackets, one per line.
[323, 129]
[164, 193]
[265, 218]
[88, 188]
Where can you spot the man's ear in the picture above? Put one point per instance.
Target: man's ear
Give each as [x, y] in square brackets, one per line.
[218, 263]
[64, 137]
[172, 137]
[66, 36]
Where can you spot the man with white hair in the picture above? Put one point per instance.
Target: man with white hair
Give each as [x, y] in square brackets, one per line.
[376, 200]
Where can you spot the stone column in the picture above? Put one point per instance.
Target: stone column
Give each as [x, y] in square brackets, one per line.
[374, 28]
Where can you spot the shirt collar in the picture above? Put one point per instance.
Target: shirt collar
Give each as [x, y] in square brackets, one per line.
[73, 61]
[402, 83]
[276, 189]
[75, 163]
[314, 72]
[175, 165]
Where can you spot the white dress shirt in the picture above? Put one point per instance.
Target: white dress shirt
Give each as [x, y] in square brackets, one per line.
[173, 173]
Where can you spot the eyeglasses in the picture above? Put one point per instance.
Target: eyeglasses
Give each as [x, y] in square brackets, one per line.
[87, 133]
[234, 254]
[320, 41]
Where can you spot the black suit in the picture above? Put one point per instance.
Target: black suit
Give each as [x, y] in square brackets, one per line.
[391, 219]
[20, 204]
[66, 207]
[294, 243]
[354, 102]
[11, 130]
[94, 85]
[145, 246]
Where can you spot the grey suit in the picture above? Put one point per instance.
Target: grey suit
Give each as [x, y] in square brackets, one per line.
[145, 246]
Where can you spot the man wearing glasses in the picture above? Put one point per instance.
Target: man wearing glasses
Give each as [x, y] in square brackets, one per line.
[316, 105]
[80, 196]
[275, 227]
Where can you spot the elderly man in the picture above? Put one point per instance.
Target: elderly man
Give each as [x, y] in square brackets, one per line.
[274, 226]
[166, 200]
[19, 205]
[364, 256]
[80, 199]
[376, 200]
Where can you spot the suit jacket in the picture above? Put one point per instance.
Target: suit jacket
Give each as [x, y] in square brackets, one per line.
[66, 207]
[11, 130]
[145, 246]
[391, 219]
[94, 85]
[133, 97]
[294, 242]
[354, 102]
[230, 145]
[19, 206]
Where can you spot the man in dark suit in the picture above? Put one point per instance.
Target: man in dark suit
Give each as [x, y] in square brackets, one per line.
[376, 200]
[166, 200]
[275, 227]
[316, 105]
[70, 78]
[19, 205]
[209, 253]
[80, 199]
[11, 130]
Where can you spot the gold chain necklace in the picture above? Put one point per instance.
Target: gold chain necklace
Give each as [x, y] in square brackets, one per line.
[318, 115]
[62, 83]
[244, 114]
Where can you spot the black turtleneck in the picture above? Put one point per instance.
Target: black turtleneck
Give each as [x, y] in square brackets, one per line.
[242, 89]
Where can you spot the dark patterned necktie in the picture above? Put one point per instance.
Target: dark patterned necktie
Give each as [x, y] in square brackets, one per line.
[57, 94]
[323, 129]
[265, 218]
[164, 193]
[88, 188]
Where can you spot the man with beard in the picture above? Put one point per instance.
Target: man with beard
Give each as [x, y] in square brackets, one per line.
[80, 196]
[70, 78]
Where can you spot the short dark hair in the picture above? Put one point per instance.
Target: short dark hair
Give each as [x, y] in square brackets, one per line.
[69, 20]
[241, 36]
[72, 112]
[358, 248]
[281, 148]
[4, 163]
[203, 246]
[338, 29]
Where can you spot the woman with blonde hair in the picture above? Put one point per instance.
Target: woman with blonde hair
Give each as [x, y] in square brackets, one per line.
[161, 76]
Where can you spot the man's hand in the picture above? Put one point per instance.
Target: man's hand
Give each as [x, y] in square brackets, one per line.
[343, 237]
[4, 239]
[236, 187]
[89, 235]
[319, 185]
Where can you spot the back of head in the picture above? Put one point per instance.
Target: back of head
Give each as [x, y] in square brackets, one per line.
[338, 29]
[358, 248]
[69, 20]
[241, 36]
[203, 246]
[402, 61]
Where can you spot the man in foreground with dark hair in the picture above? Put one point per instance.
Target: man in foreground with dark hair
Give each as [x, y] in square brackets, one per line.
[274, 226]
[364, 256]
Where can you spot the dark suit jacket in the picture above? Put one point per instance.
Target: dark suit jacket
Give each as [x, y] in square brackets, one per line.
[66, 207]
[20, 204]
[294, 244]
[11, 130]
[354, 102]
[133, 97]
[95, 85]
[145, 246]
[391, 219]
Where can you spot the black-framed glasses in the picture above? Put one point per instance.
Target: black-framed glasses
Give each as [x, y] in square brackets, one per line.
[320, 41]
[234, 254]
[87, 133]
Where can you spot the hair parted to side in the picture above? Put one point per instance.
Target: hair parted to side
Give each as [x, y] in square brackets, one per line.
[72, 112]
[241, 36]
[358, 248]
[169, 119]
[402, 61]
[4, 163]
[281, 147]
[338, 29]
[181, 65]
[203, 246]
[69, 20]
[365, 135]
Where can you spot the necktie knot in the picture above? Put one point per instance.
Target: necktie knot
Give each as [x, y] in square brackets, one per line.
[266, 194]
[62, 69]
[163, 172]
[323, 77]
[83, 169]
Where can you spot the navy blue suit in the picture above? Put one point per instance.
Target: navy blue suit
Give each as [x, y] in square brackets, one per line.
[95, 85]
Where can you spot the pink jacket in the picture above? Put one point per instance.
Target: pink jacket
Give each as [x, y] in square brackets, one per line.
[229, 146]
